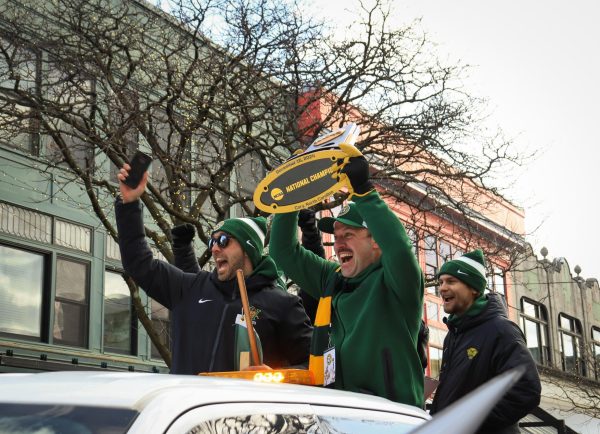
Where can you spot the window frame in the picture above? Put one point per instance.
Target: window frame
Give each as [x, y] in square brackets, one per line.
[167, 325]
[430, 360]
[87, 305]
[133, 320]
[542, 325]
[32, 129]
[595, 344]
[453, 252]
[81, 152]
[45, 298]
[576, 334]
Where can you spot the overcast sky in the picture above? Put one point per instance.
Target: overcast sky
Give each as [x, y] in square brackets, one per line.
[537, 62]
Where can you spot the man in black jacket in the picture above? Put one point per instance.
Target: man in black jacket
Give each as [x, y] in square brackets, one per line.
[205, 306]
[481, 344]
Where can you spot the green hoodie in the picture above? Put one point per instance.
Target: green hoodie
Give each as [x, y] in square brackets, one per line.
[375, 315]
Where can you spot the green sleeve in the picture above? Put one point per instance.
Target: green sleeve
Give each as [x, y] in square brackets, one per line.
[306, 269]
[402, 272]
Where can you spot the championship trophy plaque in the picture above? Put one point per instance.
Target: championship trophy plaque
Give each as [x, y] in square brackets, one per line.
[310, 177]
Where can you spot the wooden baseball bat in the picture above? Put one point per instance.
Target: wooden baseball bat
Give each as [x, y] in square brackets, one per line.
[248, 318]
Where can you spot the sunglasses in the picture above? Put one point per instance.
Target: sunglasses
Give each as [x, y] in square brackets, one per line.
[221, 241]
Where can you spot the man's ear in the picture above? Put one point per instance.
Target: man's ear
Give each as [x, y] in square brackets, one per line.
[374, 245]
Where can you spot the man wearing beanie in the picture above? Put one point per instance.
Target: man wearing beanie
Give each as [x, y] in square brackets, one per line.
[481, 344]
[370, 304]
[205, 306]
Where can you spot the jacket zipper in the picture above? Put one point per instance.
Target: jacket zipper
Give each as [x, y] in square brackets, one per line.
[339, 377]
[218, 337]
[448, 357]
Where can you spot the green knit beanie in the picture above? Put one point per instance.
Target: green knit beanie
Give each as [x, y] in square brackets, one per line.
[249, 232]
[469, 268]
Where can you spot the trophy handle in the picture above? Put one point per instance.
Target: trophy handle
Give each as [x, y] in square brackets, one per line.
[350, 150]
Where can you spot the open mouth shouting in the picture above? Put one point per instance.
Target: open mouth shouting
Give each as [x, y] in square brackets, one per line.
[347, 263]
[448, 299]
[345, 256]
[227, 266]
[222, 265]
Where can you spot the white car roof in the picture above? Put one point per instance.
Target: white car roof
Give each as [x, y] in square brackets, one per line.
[137, 390]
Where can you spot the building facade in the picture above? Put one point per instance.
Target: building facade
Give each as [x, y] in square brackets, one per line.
[559, 313]
[76, 102]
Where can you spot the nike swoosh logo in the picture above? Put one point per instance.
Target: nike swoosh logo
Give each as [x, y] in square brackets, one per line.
[462, 272]
[250, 244]
[203, 301]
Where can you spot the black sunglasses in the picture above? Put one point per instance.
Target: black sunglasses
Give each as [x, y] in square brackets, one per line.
[221, 241]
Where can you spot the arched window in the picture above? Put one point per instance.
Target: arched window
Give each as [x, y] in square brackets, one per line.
[570, 339]
[596, 351]
[534, 323]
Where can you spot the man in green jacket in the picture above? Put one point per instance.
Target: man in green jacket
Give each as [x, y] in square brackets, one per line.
[370, 305]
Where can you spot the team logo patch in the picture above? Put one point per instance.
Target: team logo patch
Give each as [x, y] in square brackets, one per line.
[344, 210]
[277, 194]
[471, 353]
[254, 313]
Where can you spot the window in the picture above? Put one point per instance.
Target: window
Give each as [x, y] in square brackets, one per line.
[437, 252]
[596, 351]
[19, 76]
[125, 133]
[412, 235]
[292, 418]
[431, 261]
[534, 323]
[499, 281]
[119, 326]
[445, 251]
[435, 362]
[172, 157]
[71, 303]
[570, 339]
[25, 288]
[495, 281]
[21, 292]
[433, 311]
[68, 136]
[436, 342]
[160, 321]
[57, 418]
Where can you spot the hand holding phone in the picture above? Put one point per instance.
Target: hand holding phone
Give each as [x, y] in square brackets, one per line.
[139, 164]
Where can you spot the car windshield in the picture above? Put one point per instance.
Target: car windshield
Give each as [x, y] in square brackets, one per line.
[343, 425]
[63, 419]
[270, 423]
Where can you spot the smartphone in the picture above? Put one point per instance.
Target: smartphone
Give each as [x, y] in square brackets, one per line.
[139, 164]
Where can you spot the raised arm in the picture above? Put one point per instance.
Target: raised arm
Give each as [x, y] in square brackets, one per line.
[161, 280]
[402, 272]
[183, 249]
[305, 268]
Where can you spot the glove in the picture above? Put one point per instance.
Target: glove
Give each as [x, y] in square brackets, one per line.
[311, 237]
[357, 171]
[306, 219]
[183, 234]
